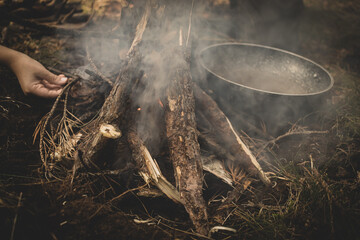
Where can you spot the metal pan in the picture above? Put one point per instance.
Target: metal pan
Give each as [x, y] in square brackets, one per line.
[264, 84]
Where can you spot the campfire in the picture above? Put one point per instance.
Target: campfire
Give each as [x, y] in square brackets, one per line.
[153, 109]
[183, 119]
[141, 105]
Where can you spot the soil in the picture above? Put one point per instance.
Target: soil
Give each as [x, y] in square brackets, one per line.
[35, 207]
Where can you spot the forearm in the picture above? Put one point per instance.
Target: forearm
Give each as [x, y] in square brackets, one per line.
[8, 56]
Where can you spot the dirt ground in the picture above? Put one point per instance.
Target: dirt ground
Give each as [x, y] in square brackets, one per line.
[317, 175]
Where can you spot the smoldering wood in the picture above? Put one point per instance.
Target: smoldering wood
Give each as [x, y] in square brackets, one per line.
[242, 119]
[149, 169]
[111, 113]
[182, 138]
[182, 130]
[227, 135]
[208, 141]
[115, 104]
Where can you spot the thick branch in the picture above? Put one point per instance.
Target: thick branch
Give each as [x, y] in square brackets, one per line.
[183, 143]
[227, 135]
[110, 113]
[114, 106]
[149, 169]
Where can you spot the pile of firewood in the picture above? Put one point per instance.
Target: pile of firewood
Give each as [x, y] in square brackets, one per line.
[192, 132]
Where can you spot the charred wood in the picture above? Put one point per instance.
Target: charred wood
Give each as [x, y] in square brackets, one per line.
[208, 141]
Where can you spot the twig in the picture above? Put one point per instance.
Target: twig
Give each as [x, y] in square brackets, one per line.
[190, 18]
[291, 133]
[97, 71]
[140, 28]
[16, 216]
[117, 198]
[200, 236]
[57, 71]
[217, 228]
[127, 191]
[49, 115]
[13, 101]
[221, 215]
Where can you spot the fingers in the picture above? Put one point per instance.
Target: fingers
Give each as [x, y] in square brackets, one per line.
[60, 80]
[42, 91]
[50, 85]
[52, 78]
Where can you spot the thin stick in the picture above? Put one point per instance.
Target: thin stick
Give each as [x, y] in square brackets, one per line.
[42, 131]
[116, 198]
[16, 216]
[190, 18]
[92, 64]
[140, 28]
[291, 133]
[127, 191]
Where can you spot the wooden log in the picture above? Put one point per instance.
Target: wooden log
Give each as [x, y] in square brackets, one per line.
[226, 134]
[182, 138]
[149, 169]
[114, 106]
[111, 113]
[209, 142]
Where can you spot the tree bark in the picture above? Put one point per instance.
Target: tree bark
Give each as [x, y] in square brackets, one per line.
[114, 107]
[111, 113]
[183, 142]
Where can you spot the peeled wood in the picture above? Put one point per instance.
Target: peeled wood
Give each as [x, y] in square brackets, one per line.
[216, 167]
[149, 169]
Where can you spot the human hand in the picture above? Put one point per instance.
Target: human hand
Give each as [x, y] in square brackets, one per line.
[35, 79]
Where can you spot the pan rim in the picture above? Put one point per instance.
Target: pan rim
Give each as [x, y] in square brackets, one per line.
[270, 48]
